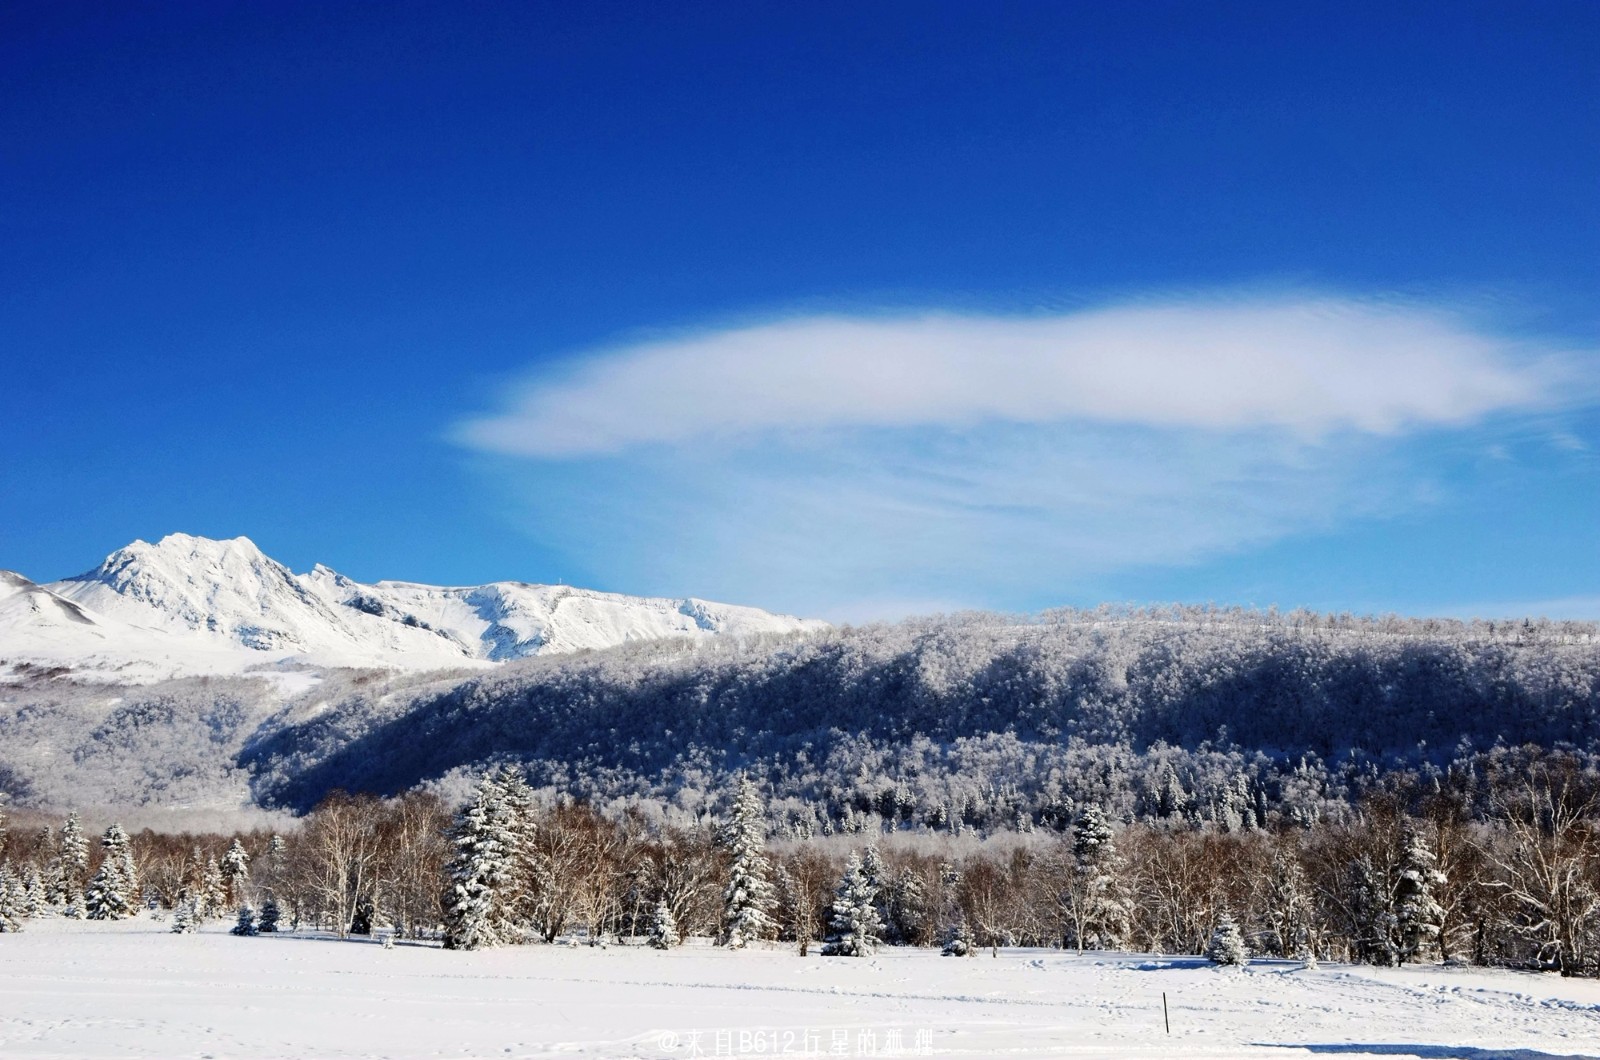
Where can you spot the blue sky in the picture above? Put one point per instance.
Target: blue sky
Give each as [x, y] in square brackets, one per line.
[844, 309]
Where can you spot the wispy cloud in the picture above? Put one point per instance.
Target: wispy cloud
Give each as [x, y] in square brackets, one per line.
[825, 462]
[1308, 365]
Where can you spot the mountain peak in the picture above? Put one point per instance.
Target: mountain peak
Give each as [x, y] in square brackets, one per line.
[205, 599]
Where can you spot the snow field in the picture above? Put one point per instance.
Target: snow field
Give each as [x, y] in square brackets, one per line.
[133, 989]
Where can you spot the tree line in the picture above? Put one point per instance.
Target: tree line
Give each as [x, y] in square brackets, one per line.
[1416, 871]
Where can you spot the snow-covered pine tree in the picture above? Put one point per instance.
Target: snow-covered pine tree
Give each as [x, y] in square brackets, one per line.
[1095, 900]
[4, 798]
[1227, 946]
[957, 938]
[519, 802]
[1373, 926]
[877, 877]
[907, 922]
[210, 896]
[74, 866]
[853, 929]
[270, 915]
[663, 927]
[235, 872]
[1418, 915]
[13, 899]
[1288, 907]
[185, 917]
[113, 892]
[34, 903]
[105, 898]
[481, 896]
[747, 899]
[246, 922]
[53, 894]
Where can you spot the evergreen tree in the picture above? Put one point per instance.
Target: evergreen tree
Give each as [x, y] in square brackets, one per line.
[663, 927]
[185, 916]
[520, 817]
[1095, 900]
[876, 874]
[1372, 914]
[74, 865]
[907, 920]
[957, 938]
[210, 896]
[235, 871]
[113, 892]
[854, 927]
[1171, 799]
[246, 923]
[480, 903]
[1418, 915]
[106, 897]
[33, 893]
[269, 917]
[13, 899]
[747, 900]
[1227, 947]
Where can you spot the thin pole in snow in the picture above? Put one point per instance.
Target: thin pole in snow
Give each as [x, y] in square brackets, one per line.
[1164, 1017]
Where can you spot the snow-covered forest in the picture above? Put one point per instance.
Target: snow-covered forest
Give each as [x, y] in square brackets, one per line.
[977, 722]
[1409, 875]
[1195, 781]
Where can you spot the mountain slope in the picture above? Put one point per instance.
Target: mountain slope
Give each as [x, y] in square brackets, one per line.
[973, 720]
[191, 605]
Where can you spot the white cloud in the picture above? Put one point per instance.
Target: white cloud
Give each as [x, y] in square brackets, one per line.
[843, 467]
[1311, 365]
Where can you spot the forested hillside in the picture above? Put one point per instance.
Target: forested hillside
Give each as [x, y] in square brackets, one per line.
[977, 721]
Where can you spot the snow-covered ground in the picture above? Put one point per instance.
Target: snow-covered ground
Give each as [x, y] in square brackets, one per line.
[70, 989]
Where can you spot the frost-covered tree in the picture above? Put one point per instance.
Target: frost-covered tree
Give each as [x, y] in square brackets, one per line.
[1288, 910]
[270, 915]
[1094, 899]
[13, 899]
[747, 900]
[246, 922]
[663, 927]
[185, 916]
[113, 892]
[73, 865]
[906, 905]
[33, 893]
[235, 871]
[1227, 944]
[106, 896]
[1417, 913]
[1547, 865]
[1372, 916]
[957, 938]
[481, 899]
[210, 894]
[853, 928]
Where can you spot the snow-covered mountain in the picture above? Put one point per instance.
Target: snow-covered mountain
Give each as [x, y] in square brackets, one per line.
[188, 605]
